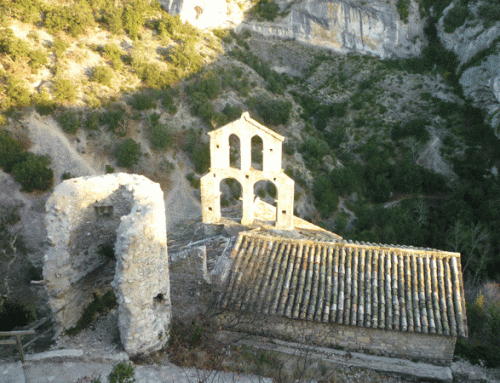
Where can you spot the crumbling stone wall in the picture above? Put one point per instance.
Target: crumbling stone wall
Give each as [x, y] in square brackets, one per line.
[86, 218]
[435, 349]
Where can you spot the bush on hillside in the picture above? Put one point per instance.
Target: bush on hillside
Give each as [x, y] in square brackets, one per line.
[142, 101]
[44, 105]
[128, 153]
[33, 173]
[198, 151]
[326, 199]
[114, 52]
[38, 58]
[273, 111]
[73, 19]
[266, 10]
[70, 121]
[167, 101]
[11, 151]
[102, 74]
[63, 90]
[160, 137]
[11, 45]
[17, 94]
[403, 7]
[456, 17]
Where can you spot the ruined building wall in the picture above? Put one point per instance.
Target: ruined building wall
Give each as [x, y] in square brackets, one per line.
[435, 349]
[86, 218]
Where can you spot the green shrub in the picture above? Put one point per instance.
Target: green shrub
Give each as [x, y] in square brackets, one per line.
[128, 153]
[415, 128]
[489, 11]
[102, 74]
[232, 112]
[142, 101]
[456, 17]
[11, 151]
[44, 105]
[122, 373]
[109, 169]
[114, 53]
[223, 34]
[168, 103]
[33, 173]
[11, 45]
[326, 199]
[193, 180]
[70, 121]
[273, 111]
[92, 121]
[160, 137]
[266, 9]
[59, 47]
[38, 58]
[73, 19]
[201, 107]
[64, 90]
[99, 305]
[133, 19]
[17, 93]
[113, 18]
[187, 58]
[403, 7]
[155, 77]
[114, 118]
[198, 151]
[208, 84]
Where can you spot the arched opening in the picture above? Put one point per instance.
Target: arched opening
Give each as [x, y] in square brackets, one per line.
[266, 191]
[234, 151]
[257, 152]
[230, 199]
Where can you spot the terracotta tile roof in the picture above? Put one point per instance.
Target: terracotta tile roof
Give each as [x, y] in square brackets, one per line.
[367, 285]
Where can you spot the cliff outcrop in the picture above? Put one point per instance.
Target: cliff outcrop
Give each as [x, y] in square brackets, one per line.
[372, 27]
[478, 51]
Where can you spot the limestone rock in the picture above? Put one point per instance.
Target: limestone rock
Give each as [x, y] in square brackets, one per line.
[86, 218]
[479, 78]
[372, 27]
[200, 13]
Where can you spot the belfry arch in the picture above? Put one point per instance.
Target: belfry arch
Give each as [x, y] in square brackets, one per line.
[220, 151]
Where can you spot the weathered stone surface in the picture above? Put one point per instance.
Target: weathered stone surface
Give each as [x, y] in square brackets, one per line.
[85, 217]
[480, 80]
[342, 25]
[200, 13]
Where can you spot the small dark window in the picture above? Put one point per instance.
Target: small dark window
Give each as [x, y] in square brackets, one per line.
[283, 211]
[217, 146]
[247, 176]
[210, 208]
[104, 211]
[159, 298]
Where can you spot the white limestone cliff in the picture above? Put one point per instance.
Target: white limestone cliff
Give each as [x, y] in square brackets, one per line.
[372, 26]
[480, 79]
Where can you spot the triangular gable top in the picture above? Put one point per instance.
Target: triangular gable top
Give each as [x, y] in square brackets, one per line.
[246, 117]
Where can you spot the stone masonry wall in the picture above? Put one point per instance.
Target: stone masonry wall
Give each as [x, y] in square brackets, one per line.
[433, 349]
[90, 218]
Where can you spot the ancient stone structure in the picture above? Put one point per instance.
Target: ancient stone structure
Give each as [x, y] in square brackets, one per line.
[92, 220]
[245, 130]
[387, 300]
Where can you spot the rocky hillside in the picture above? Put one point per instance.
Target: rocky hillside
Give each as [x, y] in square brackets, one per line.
[388, 131]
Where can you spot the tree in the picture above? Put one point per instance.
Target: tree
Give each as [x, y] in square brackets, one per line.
[128, 153]
[33, 173]
[63, 90]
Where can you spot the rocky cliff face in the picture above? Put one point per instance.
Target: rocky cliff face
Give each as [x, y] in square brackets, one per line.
[372, 27]
[200, 13]
[478, 50]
